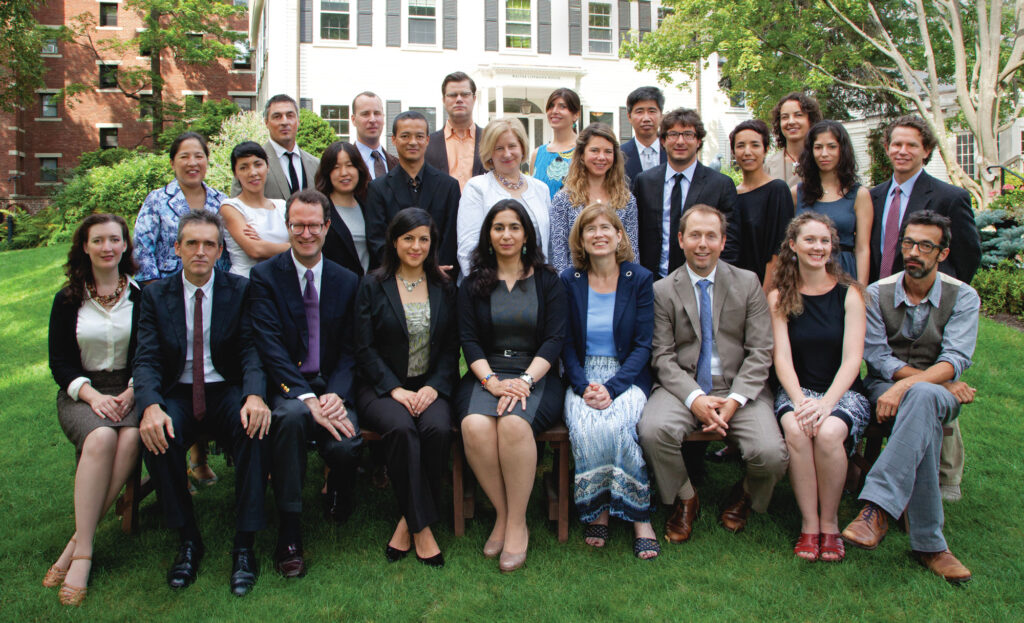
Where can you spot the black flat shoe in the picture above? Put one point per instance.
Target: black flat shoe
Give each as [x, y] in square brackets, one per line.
[393, 554]
[186, 564]
[437, 560]
[244, 569]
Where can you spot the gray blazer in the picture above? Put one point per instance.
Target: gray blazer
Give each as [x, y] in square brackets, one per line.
[742, 327]
[277, 179]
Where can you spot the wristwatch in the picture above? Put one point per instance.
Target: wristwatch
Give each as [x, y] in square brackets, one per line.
[525, 376]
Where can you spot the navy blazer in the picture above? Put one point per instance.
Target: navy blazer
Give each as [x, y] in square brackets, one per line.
[339, 246]
[382, 337]
[708, 187]
[632, 158]
[163, 338]
[633, 325]
[279, 318]
[437, 152]
[942, 198]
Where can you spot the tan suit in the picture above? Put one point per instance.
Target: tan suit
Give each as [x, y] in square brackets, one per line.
[742, 332]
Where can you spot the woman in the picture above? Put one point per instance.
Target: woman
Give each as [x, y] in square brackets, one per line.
[502, 148]
[255, 224]
[606, 354]
[764, 205]
[818, 321]
[511, 324]
[92, 344]
[792, 117]
[830, 187]
[343, 177]
[408, 359]
[550, 162]
[596, 175]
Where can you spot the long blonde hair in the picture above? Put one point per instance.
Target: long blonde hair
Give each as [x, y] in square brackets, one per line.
[787, 269]
[614, 184]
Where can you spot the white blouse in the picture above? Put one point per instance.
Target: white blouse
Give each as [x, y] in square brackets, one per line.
[269, 224]
[103, 336]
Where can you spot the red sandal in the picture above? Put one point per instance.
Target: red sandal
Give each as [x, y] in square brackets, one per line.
[807, 544]
[832, 544]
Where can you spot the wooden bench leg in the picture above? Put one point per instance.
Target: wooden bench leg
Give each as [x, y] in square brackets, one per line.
[458, 504]
[563, 490]
[127, 505]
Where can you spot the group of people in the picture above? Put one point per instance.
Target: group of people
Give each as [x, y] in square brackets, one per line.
[629, 291]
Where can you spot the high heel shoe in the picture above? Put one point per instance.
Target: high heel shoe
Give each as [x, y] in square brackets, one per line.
[55, 575]
[493, 548]
[437, 560]
[70, 595]
[508, 563]
[393, 554]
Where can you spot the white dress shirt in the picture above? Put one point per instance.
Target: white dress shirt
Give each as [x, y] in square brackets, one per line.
[668, 235]
[650, 156]
[103, 336]
[318, 271]
[283, 158]
[210, 373]
[367, 154]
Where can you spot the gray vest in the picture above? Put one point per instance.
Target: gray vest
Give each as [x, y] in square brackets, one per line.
[925, 350]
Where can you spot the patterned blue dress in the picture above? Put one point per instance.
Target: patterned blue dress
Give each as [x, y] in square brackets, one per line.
[563, 216]
[551, 167]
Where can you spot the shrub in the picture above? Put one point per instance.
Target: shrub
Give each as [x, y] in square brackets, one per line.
[245, 126]
[1002, 238]
[1001, 289]
[314, 133]
[105, 158]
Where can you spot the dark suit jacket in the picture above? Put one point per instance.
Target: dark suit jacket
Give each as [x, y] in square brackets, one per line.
[708, 187]
[277, 178]
[340, 248]
[382, 337]
[632, 158]
[633, 326]
[437, 152]
[65, 355]
[439, 195]
[163, 339]
[279, 318]
[945, 199]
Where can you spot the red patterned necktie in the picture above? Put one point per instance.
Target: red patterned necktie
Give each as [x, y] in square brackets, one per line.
[892, 235]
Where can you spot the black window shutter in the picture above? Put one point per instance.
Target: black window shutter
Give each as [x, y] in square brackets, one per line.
[305, 21]
[394, 23]
[451, 32]
[645, 17]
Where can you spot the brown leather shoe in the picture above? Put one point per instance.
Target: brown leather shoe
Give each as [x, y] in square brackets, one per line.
[736, 509]
[868, 529]
[289, 561]
[944, 564]
[680, 523]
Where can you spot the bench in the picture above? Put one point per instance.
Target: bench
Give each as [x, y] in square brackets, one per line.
[875, 433]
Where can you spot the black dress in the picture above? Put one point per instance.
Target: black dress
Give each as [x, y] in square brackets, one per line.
[763, 213]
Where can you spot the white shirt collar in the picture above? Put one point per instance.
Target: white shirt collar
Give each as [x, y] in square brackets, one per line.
[656, 146]
[281, 150]
[301, 269]
[687, 172]
[694, 277]
[366, 151]
[207, 288]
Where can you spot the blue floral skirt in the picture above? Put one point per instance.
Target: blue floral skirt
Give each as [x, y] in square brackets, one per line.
[852, 408]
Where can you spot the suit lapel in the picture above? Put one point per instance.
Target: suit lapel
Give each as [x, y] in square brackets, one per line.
[391, 291]
[581, 283]
[699, 177]
[657, 189]
[176, 293]
[623, 293]
[920, 196]
[434, 296]
[277, 177]
[340, 228]
[289, 283]
[723, 279]
[218, 314]
[684, 289]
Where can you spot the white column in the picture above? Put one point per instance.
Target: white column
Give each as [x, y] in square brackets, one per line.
[499, 101]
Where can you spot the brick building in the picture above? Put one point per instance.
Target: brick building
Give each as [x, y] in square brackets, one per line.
[46, 137]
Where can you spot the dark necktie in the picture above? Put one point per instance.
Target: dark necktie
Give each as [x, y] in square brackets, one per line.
[706, 337]
[378, 164]
[892, 235]
[198, 372]
[293, 177]
[675, 254]
[311, 301]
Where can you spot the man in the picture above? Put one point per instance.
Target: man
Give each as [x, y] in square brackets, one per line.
[291, 168]
[303, 309]
[455, 149]
[644, 151]
[909, 144]
[197, 371]
[413, 183]
[665, 192]
[922, 326]
[368, 120]
[711, 353]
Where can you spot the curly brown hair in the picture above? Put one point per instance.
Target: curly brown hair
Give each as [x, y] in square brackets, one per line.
[580, 258]
[78, 268]
[787, 269]
[614, 183]
[807, 104]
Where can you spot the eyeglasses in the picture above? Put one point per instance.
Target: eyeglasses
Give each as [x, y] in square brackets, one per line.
[314, 228]
[688, 135]
[463, 94]
[925, 246]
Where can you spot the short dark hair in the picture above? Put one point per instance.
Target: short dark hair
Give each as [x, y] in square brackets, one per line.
[322, 179]
[643, 94]
[405, 116]
[930, 217]
[246, 149]
[363, 94]
[751, 124]
[280, 97]
[928, 140]
[457, 76]
[571, 99]
[310, 196]
[807, 104]
[404, 222]
[201, 217]
[682, 116]
[703, 208]
[184, 136]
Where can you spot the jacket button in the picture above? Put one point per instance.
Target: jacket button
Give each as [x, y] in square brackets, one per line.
[629, 273]
[577, 275]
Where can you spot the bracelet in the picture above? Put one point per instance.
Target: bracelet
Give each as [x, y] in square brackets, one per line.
[527, 378]
[483, 381]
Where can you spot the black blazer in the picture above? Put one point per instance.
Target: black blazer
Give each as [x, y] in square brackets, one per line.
[382, 337]
[945, 199]
[632, 158]
[340, 248]
[708, 187]
[439, 195]
[160, 357]
[477, 333]
[437, 152]
[633, 326]
[65, 355]
[279, 318]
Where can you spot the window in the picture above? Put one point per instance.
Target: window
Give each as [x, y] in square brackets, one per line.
[423, 21]
[334, 20]
[600, 27]
[195, 40]
[243, 56]
[108, 138]
[965, 153]
[193, 104]
[305, 103]
[337, 117]
[663, 12]
[518, 24]
[108, 14]
[49, 105]
[108, 76]
[602, 117]
[50, 47]
[243, 101]
[146, 106]
[48, 170]
[431, 115]
[738, 99]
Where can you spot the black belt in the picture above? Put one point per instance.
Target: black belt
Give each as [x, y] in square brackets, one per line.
[846, 248]
[511, 353]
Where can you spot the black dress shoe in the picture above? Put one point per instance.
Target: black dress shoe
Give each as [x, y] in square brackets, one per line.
[186, 564]
[437, 560]
[289, 562]
[244, 569]
[393, 554]
[337, 506]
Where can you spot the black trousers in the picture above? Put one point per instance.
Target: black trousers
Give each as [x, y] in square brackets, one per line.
[292, 428]
[417, 452]
[224, 422]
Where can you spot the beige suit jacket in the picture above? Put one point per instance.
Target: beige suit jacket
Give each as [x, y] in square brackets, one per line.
[742, 328]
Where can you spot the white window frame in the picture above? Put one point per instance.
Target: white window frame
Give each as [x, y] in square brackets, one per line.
[42, 106]
[345, 118]
[100, 65]
[319, 23]
[504, 24]
[99, 16]
[612, 23]
[966, 152]
[407, 18]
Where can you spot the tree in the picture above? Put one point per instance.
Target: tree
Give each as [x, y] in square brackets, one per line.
[21, 67]
[208, 121]
[314, 133]
[921, 55]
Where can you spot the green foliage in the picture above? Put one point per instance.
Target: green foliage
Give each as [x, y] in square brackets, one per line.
[208, 121]
[1001, 289]
[314, 133]
[245, 126]
[880, 168]
[21, 67]
[1012, 201]
[1002, 237]
[735, 173]
[105, 158]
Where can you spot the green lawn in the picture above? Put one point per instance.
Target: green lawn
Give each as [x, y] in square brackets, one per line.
[717, 576]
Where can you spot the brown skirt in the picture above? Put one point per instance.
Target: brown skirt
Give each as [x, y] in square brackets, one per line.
[77, 418]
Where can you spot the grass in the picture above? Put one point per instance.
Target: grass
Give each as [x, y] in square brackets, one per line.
[717, 576]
